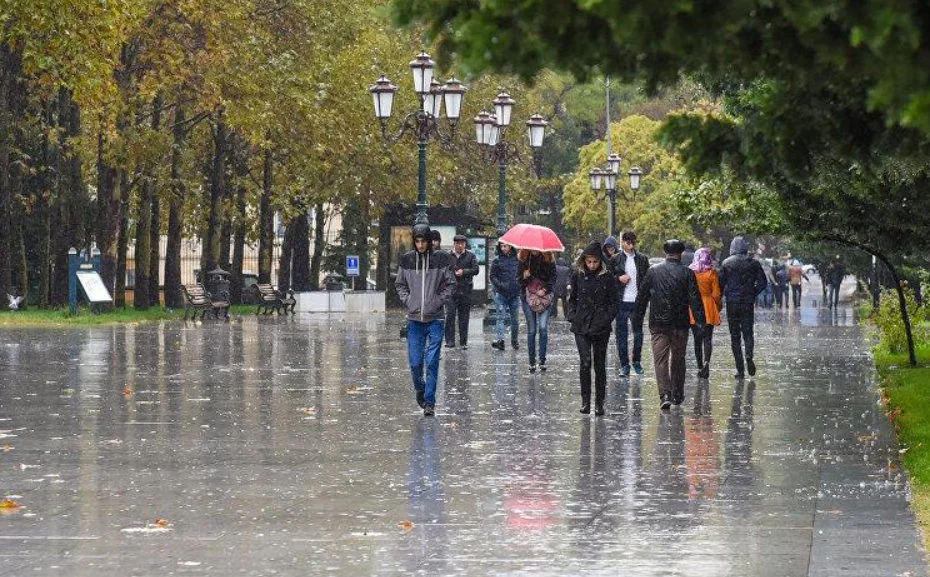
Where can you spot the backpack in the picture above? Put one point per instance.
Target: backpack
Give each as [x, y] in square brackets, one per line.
[537, 296]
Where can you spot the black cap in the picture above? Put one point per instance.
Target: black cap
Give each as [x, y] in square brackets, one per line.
[421, 231]
[673, 246]
[434, 236]
[460, 238]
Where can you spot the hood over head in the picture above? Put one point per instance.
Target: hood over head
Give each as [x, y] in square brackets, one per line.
[739, 245]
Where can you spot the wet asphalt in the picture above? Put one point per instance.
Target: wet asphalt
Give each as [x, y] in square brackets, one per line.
[272, 446]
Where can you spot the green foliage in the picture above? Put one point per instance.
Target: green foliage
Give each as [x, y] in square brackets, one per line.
[891, 327]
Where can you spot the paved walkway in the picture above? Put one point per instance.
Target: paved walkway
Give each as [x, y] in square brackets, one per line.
[293, 447]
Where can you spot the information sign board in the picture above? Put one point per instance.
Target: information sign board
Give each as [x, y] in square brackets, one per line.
[352, 265]
[93, 286]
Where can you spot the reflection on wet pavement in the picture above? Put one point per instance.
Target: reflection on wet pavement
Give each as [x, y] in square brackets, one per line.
[294, 447]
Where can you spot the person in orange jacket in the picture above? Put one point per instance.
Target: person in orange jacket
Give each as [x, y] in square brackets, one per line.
[711, 295]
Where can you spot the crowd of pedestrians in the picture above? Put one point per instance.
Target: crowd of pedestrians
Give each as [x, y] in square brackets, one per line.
[608, 289]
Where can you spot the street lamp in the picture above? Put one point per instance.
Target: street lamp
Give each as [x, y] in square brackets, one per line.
[606, 178]
[424, 123]
[489, 132]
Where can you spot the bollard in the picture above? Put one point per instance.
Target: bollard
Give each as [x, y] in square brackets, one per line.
[72, 280]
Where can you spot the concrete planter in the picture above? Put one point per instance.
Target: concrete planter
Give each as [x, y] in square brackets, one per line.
[364, 301]
[340, 302]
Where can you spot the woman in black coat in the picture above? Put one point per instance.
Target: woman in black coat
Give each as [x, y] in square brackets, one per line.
[592, 306]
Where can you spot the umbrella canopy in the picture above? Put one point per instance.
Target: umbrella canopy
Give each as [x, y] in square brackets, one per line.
[532, 237]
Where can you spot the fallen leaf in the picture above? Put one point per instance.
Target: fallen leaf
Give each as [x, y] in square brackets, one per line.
[127, 391]
[161, 523]
[406, 525]
[7, 448]
[308, 410]
[9, 504]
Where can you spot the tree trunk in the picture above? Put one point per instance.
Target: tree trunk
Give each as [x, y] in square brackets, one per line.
[48, 211]
[319, 245]
[235, 280]
[902, 303]
[141, 297]
[70, 232]
[212, 239]
[265, 222]
[122, 242]
[226, 243]
[175, 217]
[19, 268]
[284, 261]
[155, 252]
[10, 68]
[300, 255]
[108, 216]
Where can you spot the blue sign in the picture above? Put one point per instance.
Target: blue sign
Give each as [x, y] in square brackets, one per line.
[352, 265]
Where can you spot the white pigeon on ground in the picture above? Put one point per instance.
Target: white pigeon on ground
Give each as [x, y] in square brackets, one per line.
[14, 302]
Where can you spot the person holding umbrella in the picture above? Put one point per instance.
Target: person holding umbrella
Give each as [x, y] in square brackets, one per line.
[537, 280]
[537, 277]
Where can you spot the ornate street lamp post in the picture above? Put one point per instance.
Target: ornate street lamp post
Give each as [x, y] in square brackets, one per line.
[424, 122]
[489, 132]
[606, 179]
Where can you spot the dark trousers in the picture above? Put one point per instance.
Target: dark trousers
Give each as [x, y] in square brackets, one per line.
[740, 318]
[833, 295]
[703, 344]
[781, 295]
[458, 305]
[796, 295]
[625, 315]
[593, 346]
[668, 354]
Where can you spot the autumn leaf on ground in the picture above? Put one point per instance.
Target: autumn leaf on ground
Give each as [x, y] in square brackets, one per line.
[127, 391]
[406, 525]
[9, 505]
[308, 410]
[7, 448]
[161, 523]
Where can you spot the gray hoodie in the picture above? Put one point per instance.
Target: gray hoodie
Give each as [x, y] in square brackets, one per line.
[424, 283]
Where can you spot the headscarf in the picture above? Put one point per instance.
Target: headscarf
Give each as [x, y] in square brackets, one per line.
[703, 260]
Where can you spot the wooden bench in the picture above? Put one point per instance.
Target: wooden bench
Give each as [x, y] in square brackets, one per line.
[196, 298]
[270, 300]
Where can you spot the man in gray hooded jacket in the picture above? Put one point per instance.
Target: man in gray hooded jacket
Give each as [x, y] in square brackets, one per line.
[741, 280]
[424, 284]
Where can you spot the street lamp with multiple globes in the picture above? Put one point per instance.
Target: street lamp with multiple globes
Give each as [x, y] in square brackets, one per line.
[489, 132]
[606, 178]
[424, 122]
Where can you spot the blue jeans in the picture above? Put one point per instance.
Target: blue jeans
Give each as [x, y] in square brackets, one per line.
[624, 315]
[534, 320]
[424, 342]
[511, 305]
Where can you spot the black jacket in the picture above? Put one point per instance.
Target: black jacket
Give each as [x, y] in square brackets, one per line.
[617, 264]
[538, 268]
[593, 301]
[468, 262]
[505, 275]
[741, 279]
[669, 289]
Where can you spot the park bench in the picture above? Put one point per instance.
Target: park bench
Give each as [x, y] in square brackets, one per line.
[196, 298]
[271, 300]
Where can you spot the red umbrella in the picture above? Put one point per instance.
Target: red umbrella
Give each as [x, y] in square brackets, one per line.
[532, 237]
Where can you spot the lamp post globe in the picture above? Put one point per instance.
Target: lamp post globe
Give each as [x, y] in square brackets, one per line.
[453, 92]
[596, 175]
[382, 92]
[483, 126]
[432, 103]
[422, 69]
[613, 161]
[636, 175]
[503, 106]
[536, 130]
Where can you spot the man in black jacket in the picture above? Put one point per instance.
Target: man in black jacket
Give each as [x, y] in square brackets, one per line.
[464, 265]
[629, 266]
[741, 279]
[669, 289]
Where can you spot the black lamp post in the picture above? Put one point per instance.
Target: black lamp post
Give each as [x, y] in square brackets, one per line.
[606, 178]
[489, 132]
[424, 122]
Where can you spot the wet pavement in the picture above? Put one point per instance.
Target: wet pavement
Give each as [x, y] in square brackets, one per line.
[294, 447]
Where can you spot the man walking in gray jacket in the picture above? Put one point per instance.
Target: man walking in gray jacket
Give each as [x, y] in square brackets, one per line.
[424, 284]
